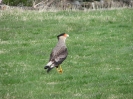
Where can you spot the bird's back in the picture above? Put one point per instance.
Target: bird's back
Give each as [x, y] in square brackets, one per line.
[59, 53]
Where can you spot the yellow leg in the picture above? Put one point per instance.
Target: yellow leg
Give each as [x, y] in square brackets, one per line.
[60, 70]
[57, 69]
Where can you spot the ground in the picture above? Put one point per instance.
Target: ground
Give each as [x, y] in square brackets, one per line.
[99, 64]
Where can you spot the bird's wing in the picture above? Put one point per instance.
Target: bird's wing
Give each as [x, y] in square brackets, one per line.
[59, 55]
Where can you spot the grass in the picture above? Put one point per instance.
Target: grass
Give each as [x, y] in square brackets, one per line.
[99, 64]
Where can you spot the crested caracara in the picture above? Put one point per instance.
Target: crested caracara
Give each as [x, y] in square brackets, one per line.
[58, 54]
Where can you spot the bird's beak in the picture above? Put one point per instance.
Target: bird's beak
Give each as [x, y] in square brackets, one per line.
[67, 35]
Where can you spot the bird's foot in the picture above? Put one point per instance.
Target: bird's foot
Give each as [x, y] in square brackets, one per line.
[60, 70]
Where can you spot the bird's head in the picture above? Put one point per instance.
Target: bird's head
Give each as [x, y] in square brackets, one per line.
[63, 36]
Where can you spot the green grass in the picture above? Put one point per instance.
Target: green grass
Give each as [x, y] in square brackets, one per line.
[99, 64]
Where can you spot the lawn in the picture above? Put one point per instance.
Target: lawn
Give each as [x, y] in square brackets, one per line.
[99, 64]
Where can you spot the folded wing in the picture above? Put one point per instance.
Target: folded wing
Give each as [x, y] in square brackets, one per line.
[58, 56]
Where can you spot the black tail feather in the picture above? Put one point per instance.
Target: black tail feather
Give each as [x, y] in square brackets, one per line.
[46, 67]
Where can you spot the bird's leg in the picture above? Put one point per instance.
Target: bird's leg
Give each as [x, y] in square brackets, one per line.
[59, 70]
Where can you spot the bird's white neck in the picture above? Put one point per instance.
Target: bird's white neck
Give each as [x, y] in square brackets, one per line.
[62, 39]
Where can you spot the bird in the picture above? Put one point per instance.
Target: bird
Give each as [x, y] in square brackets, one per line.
[58, 54]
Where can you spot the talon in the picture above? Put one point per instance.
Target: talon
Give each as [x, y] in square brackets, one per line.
[60, 70]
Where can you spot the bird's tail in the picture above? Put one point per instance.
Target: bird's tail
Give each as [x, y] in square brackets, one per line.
[48, 66]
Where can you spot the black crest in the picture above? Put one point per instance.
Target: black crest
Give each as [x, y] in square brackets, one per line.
[60, 35]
